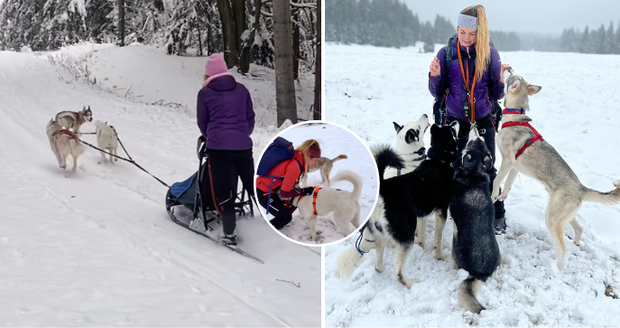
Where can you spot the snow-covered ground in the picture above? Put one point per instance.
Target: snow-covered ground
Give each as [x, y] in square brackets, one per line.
[96, 248]
[334, 141]
[366, 88]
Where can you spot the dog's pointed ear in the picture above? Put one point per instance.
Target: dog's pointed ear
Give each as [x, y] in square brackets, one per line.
[533, 89]
[513, 87]
[434, 128]
[397, 127]
[83, 107]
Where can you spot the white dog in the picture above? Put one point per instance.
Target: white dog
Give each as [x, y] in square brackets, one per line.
[64, 143]
[106, 140]
[344, 204]
[409, 145]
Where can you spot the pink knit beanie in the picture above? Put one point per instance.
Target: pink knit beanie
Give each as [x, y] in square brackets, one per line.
[216, 65]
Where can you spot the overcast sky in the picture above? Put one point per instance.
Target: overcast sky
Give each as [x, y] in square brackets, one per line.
[547, 16]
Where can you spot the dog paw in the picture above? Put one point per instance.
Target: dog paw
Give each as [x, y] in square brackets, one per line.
[419, 243]
[379, 268]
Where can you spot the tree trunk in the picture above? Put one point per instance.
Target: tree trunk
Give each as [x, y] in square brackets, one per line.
[285, 88]
[121, 21]
[317, 68]
[238, 7]
[296, 34]
[228, 30]
[244, 60]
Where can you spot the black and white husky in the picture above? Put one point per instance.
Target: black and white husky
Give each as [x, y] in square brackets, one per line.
[409, 145]
[73, 120]
[405, 198]
[474, 247]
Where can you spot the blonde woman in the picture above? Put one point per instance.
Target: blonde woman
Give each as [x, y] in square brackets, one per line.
[468, 86]
[306, 156]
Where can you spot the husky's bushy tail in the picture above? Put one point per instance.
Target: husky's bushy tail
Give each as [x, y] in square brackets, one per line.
[606, 198]
[467, 294]
[354, 179]
[339, 157]
[385, 156]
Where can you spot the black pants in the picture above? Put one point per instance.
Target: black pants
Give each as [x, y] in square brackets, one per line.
[281, 214]
[486, 129]
[226, 167]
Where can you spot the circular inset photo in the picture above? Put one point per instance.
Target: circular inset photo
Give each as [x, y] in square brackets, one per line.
[320, 181]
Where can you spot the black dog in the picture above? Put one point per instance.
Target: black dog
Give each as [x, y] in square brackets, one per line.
[405, 198]
[474, 246]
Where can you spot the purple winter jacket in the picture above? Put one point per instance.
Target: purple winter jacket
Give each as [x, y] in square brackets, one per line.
[453, 81]
[225, 114]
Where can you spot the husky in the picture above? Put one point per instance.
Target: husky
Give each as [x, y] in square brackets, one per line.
[409, 145]
[405, 198]
[106, 140]
[323, 165]
[344, 204]
[74, 120]
[63, 143]
[474, 247]
[524, 150]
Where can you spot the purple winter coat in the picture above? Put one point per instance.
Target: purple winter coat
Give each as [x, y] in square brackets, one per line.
[453, 81]
[225, 114]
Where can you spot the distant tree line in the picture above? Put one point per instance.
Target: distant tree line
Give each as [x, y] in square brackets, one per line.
[390, 23]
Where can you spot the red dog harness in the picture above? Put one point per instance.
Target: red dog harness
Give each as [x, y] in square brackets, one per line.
[315, 193]
[66, 132]
[529, 142]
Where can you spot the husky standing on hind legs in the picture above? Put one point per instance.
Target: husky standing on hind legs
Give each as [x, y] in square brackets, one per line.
[524, 150]
[474, 247]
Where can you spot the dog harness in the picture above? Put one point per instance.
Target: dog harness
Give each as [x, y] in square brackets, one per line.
[529, 142]
[66, 132]
[315, 193]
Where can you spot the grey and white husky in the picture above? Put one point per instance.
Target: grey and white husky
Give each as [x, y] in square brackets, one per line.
[106, 140]
[409, 145]
[63, 143]
[73, 120]
[541, 161]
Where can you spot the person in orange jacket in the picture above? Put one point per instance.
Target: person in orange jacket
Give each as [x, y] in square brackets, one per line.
[306, 156]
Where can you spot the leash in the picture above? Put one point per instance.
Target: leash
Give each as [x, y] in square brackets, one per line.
[359, 241]
[130, 160]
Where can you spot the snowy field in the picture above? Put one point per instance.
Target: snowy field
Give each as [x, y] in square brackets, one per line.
[366, 88]
[96, 248]
[334, 141]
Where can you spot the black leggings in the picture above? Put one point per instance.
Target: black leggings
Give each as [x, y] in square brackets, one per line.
[486, 129]
[227, 166]
[281, 214]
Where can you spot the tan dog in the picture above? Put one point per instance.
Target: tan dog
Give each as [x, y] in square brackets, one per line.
[542, 162]
[323, 165]
[64, 143]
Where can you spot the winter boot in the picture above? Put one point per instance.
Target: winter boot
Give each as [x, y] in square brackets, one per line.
[500, 218]
[229, 240]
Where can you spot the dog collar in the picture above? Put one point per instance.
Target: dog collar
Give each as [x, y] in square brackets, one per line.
[514, 111]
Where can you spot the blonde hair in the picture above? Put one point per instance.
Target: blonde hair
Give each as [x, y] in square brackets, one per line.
[305, 148]
[483, 52]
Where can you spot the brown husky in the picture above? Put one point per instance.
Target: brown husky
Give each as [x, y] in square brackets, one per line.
[524, 150]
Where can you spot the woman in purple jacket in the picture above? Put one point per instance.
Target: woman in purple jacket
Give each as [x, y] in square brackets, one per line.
[226, 120]
[468, 85]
